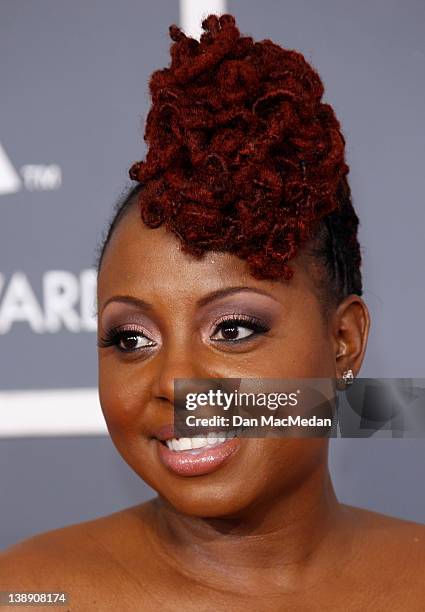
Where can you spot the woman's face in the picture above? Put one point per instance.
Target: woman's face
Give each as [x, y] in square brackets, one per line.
[172, 307]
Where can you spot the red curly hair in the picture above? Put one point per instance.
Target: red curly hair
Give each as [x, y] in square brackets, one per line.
[243, 155]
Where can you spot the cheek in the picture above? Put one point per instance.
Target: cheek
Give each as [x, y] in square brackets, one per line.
[290, 460]
[302, 348]
[310, 357]
[308, 342]
[275, 466]
[123, 394]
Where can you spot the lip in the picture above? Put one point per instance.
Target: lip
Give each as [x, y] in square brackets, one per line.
[166, 432]
[206, 461]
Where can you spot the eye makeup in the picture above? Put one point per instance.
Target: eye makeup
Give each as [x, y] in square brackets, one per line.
[251, 303]
[126, 328]
[229, 325]
[130, 333]
[228, 321]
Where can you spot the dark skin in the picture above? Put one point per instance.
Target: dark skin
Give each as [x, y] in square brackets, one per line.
[265, 531]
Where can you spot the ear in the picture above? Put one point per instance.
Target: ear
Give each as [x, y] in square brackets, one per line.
[350, 329]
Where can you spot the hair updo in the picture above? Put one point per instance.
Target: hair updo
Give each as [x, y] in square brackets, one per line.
[244, 157]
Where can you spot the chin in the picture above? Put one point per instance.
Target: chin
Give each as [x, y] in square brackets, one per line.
[226, 479]
[220, 486]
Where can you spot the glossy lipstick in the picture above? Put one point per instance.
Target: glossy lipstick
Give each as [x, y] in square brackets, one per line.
[197, 461]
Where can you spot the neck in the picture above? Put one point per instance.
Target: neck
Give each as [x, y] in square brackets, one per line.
[292, 531]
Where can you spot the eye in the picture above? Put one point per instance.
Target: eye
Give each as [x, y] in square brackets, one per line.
[126, 340]
[238, 328]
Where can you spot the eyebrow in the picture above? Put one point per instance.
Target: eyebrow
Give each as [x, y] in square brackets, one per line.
[230, 291]
[215, 295]
[129, 299]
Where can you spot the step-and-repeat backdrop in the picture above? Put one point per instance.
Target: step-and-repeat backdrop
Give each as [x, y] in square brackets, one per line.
[74, 99]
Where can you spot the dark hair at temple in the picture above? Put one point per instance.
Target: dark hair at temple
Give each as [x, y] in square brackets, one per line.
[244, 157]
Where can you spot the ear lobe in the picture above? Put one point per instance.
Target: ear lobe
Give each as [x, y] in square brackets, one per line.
[351, 324]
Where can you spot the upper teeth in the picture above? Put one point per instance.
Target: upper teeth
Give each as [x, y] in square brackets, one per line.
[180, 444]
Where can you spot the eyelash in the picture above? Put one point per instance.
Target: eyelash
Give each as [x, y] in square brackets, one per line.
[241, 321]
[113, 336]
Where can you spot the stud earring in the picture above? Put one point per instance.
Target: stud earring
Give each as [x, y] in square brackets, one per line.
[348, 377]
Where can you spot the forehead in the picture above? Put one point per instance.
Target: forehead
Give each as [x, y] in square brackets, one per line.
[140, 260]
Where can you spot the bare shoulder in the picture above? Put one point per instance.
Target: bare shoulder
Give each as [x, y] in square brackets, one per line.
[403, 532]
[72, 558]
[391, 548]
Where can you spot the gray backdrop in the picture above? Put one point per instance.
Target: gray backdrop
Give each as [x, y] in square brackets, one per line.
[73, 102]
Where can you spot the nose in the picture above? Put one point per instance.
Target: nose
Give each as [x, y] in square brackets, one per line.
[176, 363]
[180, 372]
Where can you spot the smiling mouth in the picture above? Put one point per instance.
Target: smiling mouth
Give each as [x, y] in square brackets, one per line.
[200, 443]
[198, 455]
